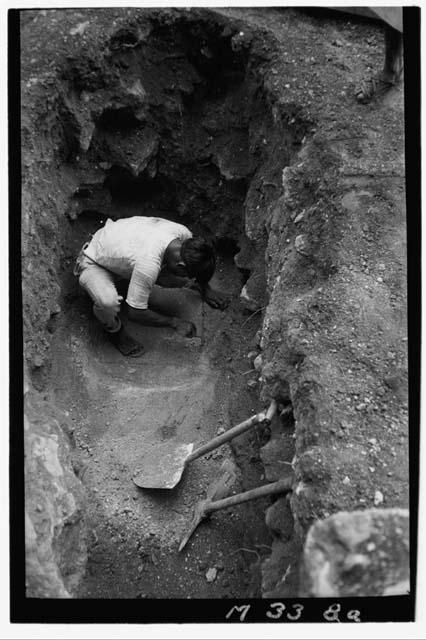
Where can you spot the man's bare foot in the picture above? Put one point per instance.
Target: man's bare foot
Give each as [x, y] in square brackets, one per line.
[126, 344]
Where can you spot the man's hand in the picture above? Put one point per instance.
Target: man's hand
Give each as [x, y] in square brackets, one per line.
[215, 299]
[184, 328]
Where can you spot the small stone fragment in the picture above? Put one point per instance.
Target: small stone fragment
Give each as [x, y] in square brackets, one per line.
[299, 217]
[399, 589]
[211, 574]
[79, 29]
[378, 498]
[354, 561]
[248, 301]
[38, 361]
[257, 363]
[301, 244]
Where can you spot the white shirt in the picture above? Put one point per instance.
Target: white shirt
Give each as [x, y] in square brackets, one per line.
[133, 248]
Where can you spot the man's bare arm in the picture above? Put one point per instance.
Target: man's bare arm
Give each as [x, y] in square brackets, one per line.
[154, 319]
[213, 298]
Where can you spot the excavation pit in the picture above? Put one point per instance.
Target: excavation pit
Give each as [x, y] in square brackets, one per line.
[223, 120]
[177, 392]
[188, 136]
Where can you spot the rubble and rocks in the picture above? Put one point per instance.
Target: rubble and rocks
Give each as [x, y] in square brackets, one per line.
[277, 453]
[55, 535]
[360, 553]
[211, 574]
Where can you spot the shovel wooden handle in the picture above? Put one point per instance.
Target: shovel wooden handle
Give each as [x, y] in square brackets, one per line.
[235, 431]
[281, 486]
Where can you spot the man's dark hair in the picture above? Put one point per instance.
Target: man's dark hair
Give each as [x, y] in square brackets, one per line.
[199, 257]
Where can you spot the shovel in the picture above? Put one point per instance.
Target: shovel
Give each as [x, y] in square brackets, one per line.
[165, 474]
[204, 507]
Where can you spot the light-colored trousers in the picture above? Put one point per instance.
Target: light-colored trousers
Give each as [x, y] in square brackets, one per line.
[99, 283]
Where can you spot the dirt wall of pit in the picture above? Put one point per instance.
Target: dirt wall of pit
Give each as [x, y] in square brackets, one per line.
[319, 216]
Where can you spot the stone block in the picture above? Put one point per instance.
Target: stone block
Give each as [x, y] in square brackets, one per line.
[280, 519]
[55, 543]
[359, 553]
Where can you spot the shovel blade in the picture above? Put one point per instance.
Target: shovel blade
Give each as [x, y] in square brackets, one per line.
[162, 469]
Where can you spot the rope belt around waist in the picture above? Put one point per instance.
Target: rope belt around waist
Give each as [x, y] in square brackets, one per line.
[77, 271]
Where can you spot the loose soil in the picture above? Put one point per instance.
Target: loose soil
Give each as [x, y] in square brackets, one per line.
[180, 392]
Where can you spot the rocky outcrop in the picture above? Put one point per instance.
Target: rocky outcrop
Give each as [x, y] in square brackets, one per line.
[280, 572]
[334, 331]
[363, 553]
[55, 545]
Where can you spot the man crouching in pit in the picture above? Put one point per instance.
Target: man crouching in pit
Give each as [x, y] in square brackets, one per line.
[145, 251]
